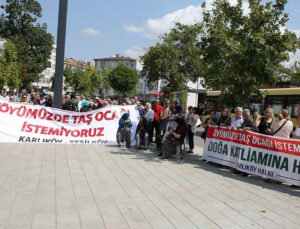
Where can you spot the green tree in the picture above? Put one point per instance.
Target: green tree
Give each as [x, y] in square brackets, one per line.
[9, 67]
[18, 22]
[123, 79]
[105, 84]
[294, 71]
[85, 81]
[177, 58]
[242, 52]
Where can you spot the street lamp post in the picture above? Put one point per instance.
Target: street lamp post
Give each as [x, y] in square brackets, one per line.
[60, 52]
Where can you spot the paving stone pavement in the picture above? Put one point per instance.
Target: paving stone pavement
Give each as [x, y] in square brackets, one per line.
[94, 187]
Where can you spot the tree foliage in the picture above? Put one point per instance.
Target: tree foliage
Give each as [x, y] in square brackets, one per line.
[242, 52]
[123, 79]
[293, 72]
[105, 84]
[84, 81]
[176, 59]
[234, 51]
[18, 23]
[9, 67]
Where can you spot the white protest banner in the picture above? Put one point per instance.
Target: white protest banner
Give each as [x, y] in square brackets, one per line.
[265, 156]
[20, 123]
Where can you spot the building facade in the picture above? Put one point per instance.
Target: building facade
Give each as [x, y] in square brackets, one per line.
[46, 77]
[45, 82]
[75, 64]
[112, 62]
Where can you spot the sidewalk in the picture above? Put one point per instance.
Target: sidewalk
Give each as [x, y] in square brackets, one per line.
[93, 187]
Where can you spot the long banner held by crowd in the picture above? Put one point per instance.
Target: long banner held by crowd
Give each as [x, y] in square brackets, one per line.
[261, 155]
[20, 123]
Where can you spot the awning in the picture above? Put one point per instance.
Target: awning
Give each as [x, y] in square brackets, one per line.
[156, 93]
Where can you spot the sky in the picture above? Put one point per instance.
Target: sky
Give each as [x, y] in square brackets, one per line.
[103, 28]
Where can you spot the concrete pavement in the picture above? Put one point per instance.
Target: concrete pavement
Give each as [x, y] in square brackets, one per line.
[93, 187]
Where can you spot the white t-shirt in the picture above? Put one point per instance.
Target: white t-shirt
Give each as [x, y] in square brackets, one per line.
[285, 131]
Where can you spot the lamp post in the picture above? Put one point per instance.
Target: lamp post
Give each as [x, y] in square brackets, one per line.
[60, 52]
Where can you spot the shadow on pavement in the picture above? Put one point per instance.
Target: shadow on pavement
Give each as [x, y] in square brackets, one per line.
[196, 159]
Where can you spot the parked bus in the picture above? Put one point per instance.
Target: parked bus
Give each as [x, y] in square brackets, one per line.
[277, 99]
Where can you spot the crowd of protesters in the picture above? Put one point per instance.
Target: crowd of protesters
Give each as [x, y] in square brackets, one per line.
[167, 122]
[170, 127]
[70, 101]
[280, 126]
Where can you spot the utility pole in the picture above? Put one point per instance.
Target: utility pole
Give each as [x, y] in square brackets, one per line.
[60, 52]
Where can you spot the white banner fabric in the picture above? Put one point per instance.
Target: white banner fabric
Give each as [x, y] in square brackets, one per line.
[20, 123]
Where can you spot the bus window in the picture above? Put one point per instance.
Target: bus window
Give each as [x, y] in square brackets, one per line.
[276, 103]
[277, 109]
[257, 107]
[292, 104]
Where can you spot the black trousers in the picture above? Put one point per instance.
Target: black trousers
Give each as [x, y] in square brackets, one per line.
[191, 138]
[156, 126]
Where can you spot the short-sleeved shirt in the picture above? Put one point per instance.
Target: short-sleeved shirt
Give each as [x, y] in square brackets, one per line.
[166, 111]
[149, 115]
[236, 122]
[286, 129]
[158, 109]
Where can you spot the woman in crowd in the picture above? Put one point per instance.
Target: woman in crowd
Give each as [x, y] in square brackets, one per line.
[24, 99]
[256, 118]
[140, 109]
[124, 130]
[225, 120]
[85, 106]
[266, 122]
[192, 122]
[173, 138]
[282, 126]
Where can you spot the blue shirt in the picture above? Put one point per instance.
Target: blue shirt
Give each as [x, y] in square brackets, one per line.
[142, 112]
[237, 122]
